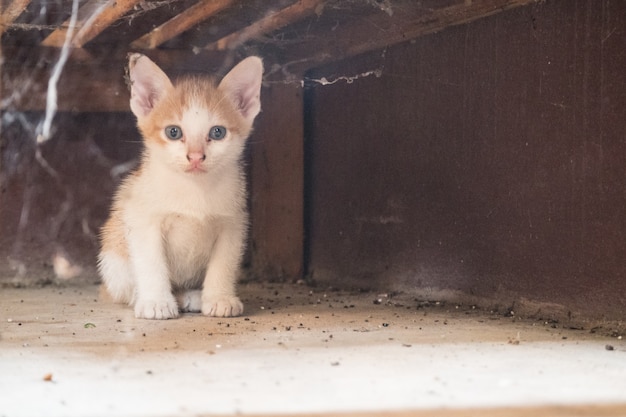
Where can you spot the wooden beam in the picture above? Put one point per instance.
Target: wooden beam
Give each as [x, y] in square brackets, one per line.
[381, 30]
[180, 23]
[81, 88]
[277, 184]
[57, 38]
[438, 20]
[88, 83]
[93, 17]
[103, 18]
[12, 12]
[268, 24]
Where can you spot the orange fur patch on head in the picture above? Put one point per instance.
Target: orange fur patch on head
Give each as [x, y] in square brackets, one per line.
[164, 111]
[186, 93]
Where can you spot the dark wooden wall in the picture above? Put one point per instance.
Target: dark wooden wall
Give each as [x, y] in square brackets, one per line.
[57, 203]
[488, 159]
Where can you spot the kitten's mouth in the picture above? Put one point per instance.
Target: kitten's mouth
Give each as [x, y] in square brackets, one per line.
[195, 169]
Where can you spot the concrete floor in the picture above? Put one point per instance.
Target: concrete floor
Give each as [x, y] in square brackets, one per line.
[66, 352]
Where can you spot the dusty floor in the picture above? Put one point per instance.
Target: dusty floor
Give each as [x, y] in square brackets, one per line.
[65, 352]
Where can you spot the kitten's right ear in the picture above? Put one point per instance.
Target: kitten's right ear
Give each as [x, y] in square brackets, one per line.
[147, 82]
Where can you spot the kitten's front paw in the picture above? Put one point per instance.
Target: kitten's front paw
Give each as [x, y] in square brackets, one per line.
[222, 307]
[156, 309]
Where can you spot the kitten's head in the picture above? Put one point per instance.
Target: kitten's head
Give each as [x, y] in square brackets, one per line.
[194, 124]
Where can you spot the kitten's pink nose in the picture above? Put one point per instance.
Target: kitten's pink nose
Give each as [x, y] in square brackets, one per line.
[195, 157]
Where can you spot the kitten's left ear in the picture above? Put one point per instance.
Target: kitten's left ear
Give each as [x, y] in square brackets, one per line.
[243, 86]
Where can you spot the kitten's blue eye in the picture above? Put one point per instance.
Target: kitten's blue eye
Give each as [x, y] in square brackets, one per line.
[173, 132]
[217, 132]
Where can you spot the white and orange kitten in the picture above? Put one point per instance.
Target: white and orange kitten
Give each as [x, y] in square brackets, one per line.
[176, 233]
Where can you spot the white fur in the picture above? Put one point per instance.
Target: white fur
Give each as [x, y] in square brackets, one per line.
[117, 277]
[184, 231]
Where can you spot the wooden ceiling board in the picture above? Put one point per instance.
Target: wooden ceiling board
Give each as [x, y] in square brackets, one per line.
[377, 31]
[143, 18]
[299, 34]
[107, 15]
[11, 12]
[180, 23]
[270, 23]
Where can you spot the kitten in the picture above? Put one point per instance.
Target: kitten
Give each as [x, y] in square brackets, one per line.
[175, 236]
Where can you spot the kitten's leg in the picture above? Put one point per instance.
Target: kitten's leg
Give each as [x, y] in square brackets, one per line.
[117, 276]
[113, 261]
[190, 301]
[218, 294]
[154, 298]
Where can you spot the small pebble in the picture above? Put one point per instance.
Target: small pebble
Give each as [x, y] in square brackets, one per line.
[609, 347]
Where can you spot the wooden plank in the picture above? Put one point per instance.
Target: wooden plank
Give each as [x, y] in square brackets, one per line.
[80, 89]
[109, 13]
[277, 173]
[440, 19]
[88, 83]
[270, 23]
[12, 12]
[381, 30]
[180, 23]
[57, 38]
